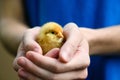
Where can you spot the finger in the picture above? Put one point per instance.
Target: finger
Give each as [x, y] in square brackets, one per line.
[73, 38]
[45, 62]
[20, 52]
[79, 74]
[52, 64]
[29, 40]
[54, 53]
[28, 43]
[24, 75]
[32, 68]
[81, 58]
[16, 67]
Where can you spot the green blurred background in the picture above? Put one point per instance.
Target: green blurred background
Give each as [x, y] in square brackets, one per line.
[6, 69]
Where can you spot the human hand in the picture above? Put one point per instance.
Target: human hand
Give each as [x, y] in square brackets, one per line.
[93, 38]
[28, 43]
[74, 52]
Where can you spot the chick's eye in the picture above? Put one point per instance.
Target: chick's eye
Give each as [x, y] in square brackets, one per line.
[52, 32]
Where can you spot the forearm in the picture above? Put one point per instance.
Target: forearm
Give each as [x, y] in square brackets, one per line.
[103, 41]
[12, 24]
[11, 33]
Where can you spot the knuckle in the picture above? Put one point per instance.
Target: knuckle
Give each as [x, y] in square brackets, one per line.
[87, 63]
[30, 45]
[83, 75]
[70, 25]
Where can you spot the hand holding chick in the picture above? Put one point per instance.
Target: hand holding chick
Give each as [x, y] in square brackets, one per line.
[50, 36]
[38, 66]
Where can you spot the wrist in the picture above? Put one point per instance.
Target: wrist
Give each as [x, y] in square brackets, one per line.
[92, 36]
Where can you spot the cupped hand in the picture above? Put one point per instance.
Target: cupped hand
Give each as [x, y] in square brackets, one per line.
[69, 62]
[28, 43]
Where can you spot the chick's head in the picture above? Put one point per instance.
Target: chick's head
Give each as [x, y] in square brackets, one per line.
[50, 36]
[52, 30]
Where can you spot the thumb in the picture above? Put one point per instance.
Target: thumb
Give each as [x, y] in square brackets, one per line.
[73, 38]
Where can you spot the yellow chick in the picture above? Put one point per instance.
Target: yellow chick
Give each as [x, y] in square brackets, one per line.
[50, 36]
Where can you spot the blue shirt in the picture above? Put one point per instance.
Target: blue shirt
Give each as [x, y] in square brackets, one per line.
[85, 13]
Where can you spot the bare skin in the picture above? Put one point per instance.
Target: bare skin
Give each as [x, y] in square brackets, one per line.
[12, 24]
[104, 41]
[13, 19]
[99, 40]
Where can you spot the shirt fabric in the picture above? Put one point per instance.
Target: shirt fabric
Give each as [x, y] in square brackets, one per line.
[85, 13]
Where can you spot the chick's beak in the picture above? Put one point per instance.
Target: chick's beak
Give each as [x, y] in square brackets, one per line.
[60, 35]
